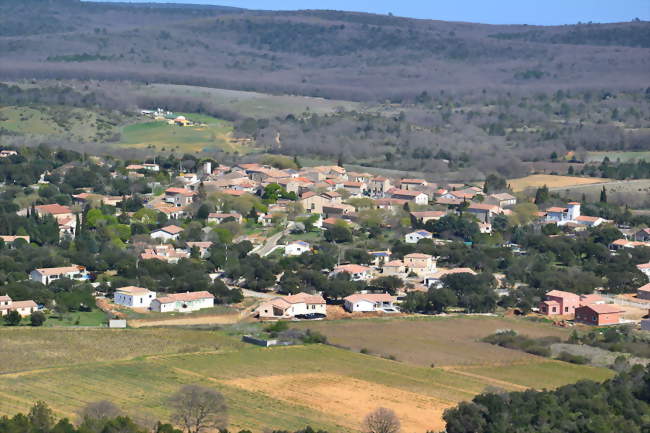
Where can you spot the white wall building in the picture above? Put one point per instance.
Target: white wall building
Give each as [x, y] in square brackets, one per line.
[24, 308]
[169, 233]
[357, 272]
[369, 302]
[47, 275]
[296, 248]
[183, 302]
[134, 297]
[414, 237]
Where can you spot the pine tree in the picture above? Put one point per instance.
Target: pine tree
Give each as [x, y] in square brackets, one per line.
[603, 195]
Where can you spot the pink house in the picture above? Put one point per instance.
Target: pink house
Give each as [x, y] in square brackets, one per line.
[559, 303]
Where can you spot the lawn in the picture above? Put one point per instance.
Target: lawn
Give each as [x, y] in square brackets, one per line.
[614, 156]
[90, 318]
[216, 134]
[281, 387]
[552, 181]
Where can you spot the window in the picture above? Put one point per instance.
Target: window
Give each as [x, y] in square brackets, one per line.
[566, 309]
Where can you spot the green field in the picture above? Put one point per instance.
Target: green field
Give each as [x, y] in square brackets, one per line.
[250, 104]
[216, 134]
[614, 156]
[91, 318]
[76, 124]
[283, 387]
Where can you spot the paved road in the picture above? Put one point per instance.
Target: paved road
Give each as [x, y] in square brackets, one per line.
[272, 242]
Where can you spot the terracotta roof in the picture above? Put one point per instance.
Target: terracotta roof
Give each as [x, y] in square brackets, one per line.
[53, 209]
[484, 206]
[23, 304]
[60, 270]
[645, 288]
[556, 209]
[304, 297]
[562, 294]
[187, 296]
[403, 192]
[370, 297]
[414, 181]
[418, 256]
[352, 269]
[429, 214]
[394, 263]
[13, 238]
[182, 191]
[132, 290]
[604, 308]
[587, 218]
[643, 266]
[307, 194]
[173, 230]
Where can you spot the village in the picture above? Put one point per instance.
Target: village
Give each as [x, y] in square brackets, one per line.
[293, 213]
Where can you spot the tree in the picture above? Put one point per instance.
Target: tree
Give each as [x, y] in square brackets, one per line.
[542, 195]
[196, 409]
[37, 318]
[41, 417]
[381, 420]
[603, 195]
[99, 410]
[13, 318]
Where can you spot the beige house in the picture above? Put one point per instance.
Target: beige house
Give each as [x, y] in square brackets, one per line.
[394, 267]
[24, 308]
[421, 264]
[287, 307]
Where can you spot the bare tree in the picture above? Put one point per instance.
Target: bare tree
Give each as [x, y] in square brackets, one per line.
[94, 415]
[381, 420]
[196, 408]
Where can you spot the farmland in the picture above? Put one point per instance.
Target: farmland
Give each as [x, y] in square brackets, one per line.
[213, 133]
[450, 341]
[552, 181]
[623, 156]
[283, 387]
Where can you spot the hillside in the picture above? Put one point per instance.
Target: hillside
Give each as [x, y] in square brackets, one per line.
[320, 53]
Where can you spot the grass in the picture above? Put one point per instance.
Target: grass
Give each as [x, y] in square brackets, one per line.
[91, 318]
[552, 181]
[442, 341]
[281, 387]
[153, 315]
[614, 156]
[251, 104]
[216, 133]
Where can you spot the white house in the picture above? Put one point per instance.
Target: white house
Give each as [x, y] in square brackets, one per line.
[218, 218]
[24, 308]
[590, 221]
[414, 237]
[296, 248]
[563, 215]
[167, 233]
[136, 297]
[415, 196]
[179, 196]
[286, 307]
[47, 275]
[183, 302]
[357, 272]
[369, 302]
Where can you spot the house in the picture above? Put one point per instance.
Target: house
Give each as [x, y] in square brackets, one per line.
[218, 218]
[165, 253]
[599, 314]
[369, 302]
[378, 186]
[379, 257]
[203, 248]
[484, 212]
[63, 215]
[416, 236]
[9, 240]
[393, 267]
[563, 215]
[642, 235]
[134, 297]
[502, 200]
[47, 275]
[414, 196]
[183, 302]
[286, 307]
[357, 272]
[590, 221]
[167, 233]
[7, 153]
[334, 210]
[643, 292]
[426, 216]
[24, 308]
[412, 184]
[624, 243]
[296, 248]
[645, 268]
[561, 303]
[179, 196]
[355, 188]
[312, 202]
[420, 264]
[435, 280]
[391, 204]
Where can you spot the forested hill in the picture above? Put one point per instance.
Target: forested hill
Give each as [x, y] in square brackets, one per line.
[322, 53]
